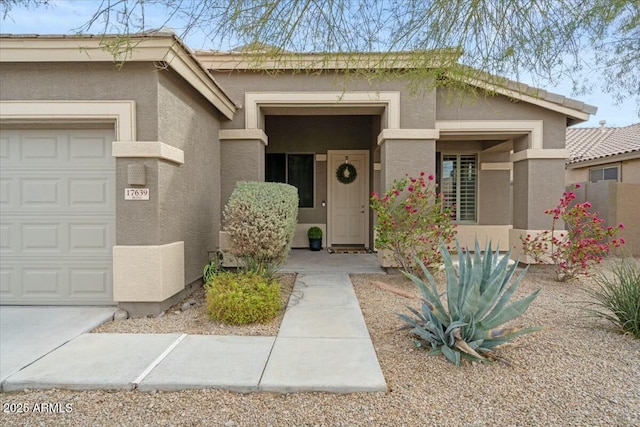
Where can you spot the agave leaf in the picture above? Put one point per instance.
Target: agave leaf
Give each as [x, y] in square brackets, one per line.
[506, 295]
[424, 334]
[452, 283]
[472, 299]
[509, 312]
[431, 297]
[435, 351]
[454, 325]
[453, 356]
[464, 347]
[514, 334]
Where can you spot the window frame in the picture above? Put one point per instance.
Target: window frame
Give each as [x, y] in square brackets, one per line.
[286, 174]
[440, 158]
[602, 169]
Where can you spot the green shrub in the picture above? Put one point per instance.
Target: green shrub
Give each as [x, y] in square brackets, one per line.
[212, 268]
[617, 298]
[242, 298]
[477, 306]
[261, 219]
[314, 233]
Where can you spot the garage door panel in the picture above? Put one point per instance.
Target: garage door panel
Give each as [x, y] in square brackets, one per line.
[42, 237]
[91, 237]
[6, 193]
[89, 149]
[37, 147]
[40, 192]
[57, 230]
[90, 192]
[90, 283]
[42, 282]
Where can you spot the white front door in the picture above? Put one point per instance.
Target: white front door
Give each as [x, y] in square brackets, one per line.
[348, 216]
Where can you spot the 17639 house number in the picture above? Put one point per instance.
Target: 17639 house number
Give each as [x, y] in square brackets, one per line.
[136, 194]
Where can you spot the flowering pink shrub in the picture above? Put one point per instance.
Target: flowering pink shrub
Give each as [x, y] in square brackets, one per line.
[586, 240]
[413, 222]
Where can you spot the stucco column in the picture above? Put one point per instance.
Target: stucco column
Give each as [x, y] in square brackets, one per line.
[242, 154]
[538, 184]
[147, 272]
[241, 158]
[406, 151]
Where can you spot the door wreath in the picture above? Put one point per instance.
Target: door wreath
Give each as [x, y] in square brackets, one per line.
[346, 173]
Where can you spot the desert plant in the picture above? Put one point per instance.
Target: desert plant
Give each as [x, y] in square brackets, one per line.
[242, 298]
[477, 307]
[585, 242]
[616, 296]
[261, 218]
[412, 222]
[314, 233]
[212, 268]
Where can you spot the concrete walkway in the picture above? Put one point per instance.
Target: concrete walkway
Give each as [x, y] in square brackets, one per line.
[323, 345]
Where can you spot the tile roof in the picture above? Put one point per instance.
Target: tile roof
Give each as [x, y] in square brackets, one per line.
[595, 143]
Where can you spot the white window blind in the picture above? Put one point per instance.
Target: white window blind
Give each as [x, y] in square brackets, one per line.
[458, 184]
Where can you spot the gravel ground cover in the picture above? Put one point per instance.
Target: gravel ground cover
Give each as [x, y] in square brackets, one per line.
[190, 317]
[575, 372]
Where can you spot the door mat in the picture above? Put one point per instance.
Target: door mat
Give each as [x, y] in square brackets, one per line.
[356, 250]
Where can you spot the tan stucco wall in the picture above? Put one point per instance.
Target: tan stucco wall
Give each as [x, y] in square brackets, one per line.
[615, 203]
[189, 198]
[537, 186]
[629, 171]
[417, 111]
[87, 81]
[453, 106]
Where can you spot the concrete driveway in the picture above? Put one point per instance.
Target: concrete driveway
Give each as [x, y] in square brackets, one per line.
[28, 333]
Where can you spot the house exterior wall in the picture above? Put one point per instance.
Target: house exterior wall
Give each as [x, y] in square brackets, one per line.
[189, 194]
[69, 81]
[453, 106]
[616, 203]
[629, 171]
[417, 111]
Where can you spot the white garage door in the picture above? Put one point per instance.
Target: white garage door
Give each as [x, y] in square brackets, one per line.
[57, 217]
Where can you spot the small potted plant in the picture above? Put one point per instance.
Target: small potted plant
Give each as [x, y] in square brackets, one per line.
[315, 238]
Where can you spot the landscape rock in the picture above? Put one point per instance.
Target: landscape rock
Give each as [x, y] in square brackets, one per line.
[120, 314]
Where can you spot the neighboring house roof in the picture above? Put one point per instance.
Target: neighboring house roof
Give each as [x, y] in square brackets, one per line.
[586, 144]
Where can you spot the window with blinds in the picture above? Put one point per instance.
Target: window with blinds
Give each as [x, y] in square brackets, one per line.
[458, 182]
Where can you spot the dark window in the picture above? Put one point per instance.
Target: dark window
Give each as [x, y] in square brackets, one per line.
[607, 174]
[293, 169]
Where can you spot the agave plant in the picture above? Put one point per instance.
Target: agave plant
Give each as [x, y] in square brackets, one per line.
[477, 306]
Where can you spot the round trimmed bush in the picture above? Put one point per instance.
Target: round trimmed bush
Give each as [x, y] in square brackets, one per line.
[242, 298]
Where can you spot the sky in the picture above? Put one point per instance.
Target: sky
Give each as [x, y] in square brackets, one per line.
[66, 16]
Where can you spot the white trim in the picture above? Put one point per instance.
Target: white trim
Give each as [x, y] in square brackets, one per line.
[533, 154]
[243, 134]
[122, 113]
[158, 49]
[408, 134]
[496, 166]
[150, 149]
[462, 127]
[254, 101]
